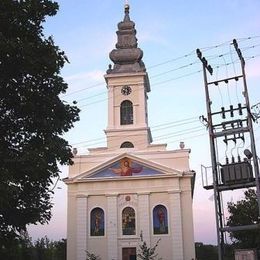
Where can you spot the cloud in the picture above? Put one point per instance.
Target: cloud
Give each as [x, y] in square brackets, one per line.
[96, 75]
[82, 84]
[252, 68]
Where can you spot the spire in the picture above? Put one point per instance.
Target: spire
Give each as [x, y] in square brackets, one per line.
[127, 18]
[127, 57]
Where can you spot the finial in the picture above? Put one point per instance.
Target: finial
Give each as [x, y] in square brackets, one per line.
[182, 145]
[127, 7]
[74, 151]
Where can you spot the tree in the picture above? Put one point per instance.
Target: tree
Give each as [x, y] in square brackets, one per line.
[91, 256]
[210, 252]
[206, 252]
[32, 116]
[245, 212]
[147, 253]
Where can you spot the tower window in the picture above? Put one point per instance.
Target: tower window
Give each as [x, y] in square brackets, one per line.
[127, 145]
[126, 113]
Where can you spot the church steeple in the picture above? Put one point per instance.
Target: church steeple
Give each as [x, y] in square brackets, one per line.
[127, 57]
[128, 84]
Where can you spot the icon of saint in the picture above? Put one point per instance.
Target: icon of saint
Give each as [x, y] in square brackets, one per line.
[126, 169]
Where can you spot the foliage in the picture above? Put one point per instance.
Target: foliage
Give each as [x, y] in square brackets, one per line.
[41, 249]
[45, 249]
[244, 212]
[147, 253]
[91, 256]
[32, 117]
[210, 252]
[206, 252]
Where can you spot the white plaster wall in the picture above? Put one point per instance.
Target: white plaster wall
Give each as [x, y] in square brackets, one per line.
[112, 227]
[81, 227]
[71, 224]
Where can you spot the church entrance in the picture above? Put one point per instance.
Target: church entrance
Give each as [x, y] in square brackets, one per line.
[129, 253]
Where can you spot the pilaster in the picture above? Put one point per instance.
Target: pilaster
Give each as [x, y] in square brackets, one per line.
[144, 216]
[82, 225]
[112, 227]
[176, 225]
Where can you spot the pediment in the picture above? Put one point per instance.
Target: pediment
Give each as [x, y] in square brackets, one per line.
[127, 165]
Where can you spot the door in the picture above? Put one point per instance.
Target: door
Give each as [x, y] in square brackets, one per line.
[129, 253]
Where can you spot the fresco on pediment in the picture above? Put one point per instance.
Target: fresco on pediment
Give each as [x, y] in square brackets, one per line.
[125, 167]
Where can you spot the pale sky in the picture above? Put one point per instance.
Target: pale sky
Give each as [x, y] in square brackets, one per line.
[168, 32]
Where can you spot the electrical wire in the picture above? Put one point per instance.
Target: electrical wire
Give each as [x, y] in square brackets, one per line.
[157, 128]
[162, 82]
[166, 62]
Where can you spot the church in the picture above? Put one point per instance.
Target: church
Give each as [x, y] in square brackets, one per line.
[131, 190]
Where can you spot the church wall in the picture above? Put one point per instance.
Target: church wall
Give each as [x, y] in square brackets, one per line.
[138, 137]
[98, 244]
[71, 224]
[136, 82]
[145, 195]
[187, 215]
[176, 159]
[165, 244]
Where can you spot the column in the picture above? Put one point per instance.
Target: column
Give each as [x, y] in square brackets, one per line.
[112, 224]
[176, 225]
[81, 227]
[144, 216]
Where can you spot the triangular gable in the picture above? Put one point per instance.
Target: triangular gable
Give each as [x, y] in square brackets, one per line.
[126, 165]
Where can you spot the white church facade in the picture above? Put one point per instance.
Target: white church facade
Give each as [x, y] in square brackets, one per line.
[131, 186]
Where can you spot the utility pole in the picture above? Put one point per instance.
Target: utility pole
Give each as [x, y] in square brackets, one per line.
[230, 124]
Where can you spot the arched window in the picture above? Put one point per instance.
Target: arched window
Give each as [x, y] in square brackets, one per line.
[127, 145]
[126, 113]
[128, 221]
[97, 223]
[160, 220]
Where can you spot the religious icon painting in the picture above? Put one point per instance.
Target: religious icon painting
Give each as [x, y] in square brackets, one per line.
[128, 221]
[97, 227]
[160, 220]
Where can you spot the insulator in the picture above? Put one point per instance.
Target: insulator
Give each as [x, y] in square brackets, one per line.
[227, 161]
[238, 158]
[223, 112]
[240, 109]
[233, 159]
[199, 53]
[231, 111]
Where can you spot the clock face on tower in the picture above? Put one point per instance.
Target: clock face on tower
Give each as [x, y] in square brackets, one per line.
[126, 90]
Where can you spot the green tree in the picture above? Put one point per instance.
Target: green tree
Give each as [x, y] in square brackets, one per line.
[245, 212]
[147, 253]
[46, 249]
[210, 252]
[32, 117]
[206, 252]
[91, 256]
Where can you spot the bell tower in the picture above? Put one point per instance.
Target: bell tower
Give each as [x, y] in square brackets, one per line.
[128, 85]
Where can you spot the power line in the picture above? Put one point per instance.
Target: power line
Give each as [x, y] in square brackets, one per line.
[165, 81]
[160, 126]
[165, 62]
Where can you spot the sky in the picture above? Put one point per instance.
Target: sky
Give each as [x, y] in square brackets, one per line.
[168, 32]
